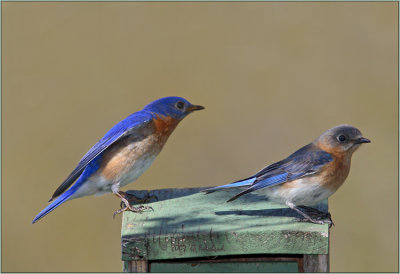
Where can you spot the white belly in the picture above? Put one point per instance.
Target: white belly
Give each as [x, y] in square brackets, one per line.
[306, 192]
[140, 166]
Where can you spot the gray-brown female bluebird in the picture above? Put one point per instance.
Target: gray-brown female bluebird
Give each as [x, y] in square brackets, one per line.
[311, 174]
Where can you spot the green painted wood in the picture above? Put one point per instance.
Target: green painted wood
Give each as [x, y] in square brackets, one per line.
[241, 267]
[187, 223]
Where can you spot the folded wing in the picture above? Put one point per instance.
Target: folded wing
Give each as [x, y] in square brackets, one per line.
[124, 128]
[304, 162]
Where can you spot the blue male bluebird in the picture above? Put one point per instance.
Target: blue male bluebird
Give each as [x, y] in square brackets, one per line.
[311, 174]
[123, 154]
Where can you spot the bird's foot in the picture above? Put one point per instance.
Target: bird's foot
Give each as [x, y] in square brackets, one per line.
[134, 199]
[318, 220]
[140, 209]
[125, 205]
[311, 210]
[314, 216]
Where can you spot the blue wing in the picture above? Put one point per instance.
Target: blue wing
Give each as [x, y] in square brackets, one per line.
[237, 184]
[304, 162]
[124, 128]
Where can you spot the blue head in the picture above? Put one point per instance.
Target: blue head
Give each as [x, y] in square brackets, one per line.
[175, 107]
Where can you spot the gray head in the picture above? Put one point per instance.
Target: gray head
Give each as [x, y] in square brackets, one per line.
[342, 138]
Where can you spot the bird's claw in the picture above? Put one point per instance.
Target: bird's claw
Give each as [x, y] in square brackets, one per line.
[140, 209]
[318, 220]
[117, 212]
[144, 208]
[132, 198]
[315, 216]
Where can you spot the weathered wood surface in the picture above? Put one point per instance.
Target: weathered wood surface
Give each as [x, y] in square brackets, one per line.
[139, 266]
[316, 263]
[286, 263]
[186, 223]
[223, 267]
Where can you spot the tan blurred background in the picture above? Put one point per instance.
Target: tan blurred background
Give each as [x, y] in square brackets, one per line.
[272, 75]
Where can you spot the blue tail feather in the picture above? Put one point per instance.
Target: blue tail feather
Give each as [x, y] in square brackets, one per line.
[57, 202]
[237, 184]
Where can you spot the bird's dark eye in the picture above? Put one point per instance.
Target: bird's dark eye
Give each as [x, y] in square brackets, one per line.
[180, 105]
[341, 138]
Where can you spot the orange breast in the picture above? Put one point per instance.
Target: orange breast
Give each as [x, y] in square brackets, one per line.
[332, 176]
[335, 173]
[164, 126]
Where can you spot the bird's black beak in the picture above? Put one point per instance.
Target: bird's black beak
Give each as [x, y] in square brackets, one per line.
[362, 140]
[195, 107]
